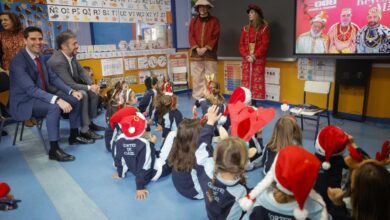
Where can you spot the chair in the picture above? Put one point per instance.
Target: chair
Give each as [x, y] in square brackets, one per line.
[310, 112]
[3, 120]
[39, 128]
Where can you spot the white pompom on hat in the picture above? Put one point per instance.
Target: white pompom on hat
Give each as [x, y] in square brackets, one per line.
[134, 126]
[331, 141]
[295, 171]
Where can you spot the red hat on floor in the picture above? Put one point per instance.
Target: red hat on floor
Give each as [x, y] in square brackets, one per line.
[117, 116]
[4, 189]
[133, 126]
[331, 141]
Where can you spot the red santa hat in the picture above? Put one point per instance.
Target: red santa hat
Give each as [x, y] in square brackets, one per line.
[331, 141]
[117, 116]
[133, 126]
[242, 94]
[247, 120]
[4, 189]
[168, 89]
[295, 171]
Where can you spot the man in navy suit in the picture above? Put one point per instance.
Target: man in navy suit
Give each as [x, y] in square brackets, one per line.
[31, 83]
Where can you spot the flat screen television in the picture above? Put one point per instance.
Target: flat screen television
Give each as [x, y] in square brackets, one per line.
[342, 28]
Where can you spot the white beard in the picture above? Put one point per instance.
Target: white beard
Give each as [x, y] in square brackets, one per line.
[346, 24]
[315, 35]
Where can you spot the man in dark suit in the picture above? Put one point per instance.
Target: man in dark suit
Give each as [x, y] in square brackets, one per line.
[64, 63]
[30, 96]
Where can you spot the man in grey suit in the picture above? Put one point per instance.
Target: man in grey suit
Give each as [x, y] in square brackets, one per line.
[64, 63]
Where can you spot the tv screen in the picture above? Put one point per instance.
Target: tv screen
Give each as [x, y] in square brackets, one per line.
[342, 27]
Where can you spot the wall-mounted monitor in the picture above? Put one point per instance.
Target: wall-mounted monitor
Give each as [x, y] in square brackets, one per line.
[342, 28]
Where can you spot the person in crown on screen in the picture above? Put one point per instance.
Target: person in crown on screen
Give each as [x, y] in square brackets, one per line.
[314, 41]
[342, 35]
[374, 37]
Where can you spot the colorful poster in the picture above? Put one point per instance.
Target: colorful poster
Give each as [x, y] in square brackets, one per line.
[232, 70]
[342, 26]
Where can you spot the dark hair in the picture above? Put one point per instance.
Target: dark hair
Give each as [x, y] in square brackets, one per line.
[182, 155]
[370, 196]
[17, 25]
[64, 37]
[31, 29]
[230, 155]
[87, 68]
[148, 82]
[154, 80]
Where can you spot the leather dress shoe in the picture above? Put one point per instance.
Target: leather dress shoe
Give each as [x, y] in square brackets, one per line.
[91, 135]
[60, 155]
[80, 140]
[95, 127]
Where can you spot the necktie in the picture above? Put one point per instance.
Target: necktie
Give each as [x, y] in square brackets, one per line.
[40, 71]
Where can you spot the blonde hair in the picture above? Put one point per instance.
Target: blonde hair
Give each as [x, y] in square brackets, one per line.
[286, 132]
[230, 155]
[213, 93]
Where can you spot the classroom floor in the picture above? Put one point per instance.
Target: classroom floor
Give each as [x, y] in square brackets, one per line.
[84, 189]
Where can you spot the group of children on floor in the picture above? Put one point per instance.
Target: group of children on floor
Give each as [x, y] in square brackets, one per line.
[209, 157]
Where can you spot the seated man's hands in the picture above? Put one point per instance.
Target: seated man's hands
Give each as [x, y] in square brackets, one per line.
[95, 88]
[78, 95]
[64, 106]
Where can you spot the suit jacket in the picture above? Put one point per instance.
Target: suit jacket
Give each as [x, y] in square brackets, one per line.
[79, 80]
[26, 85]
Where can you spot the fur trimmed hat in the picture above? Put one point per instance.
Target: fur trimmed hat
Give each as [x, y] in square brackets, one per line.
[331, 141]
[295, 171]
[134, 126]
[117, 116]
[242, 94]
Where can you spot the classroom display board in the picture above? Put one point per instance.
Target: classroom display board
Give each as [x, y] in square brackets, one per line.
[232, 15]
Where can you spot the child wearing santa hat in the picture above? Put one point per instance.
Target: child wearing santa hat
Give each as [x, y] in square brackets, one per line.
[330, 146]
[133, 153]
[286, 132]
[121, 99]
[287, 190]
[7, 200]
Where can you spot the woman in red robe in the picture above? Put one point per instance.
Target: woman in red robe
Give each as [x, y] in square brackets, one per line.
[253, 48]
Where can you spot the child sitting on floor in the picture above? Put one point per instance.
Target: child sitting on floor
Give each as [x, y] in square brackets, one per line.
[133, 153]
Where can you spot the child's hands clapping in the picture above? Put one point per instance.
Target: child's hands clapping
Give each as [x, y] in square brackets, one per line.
[213, 115]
